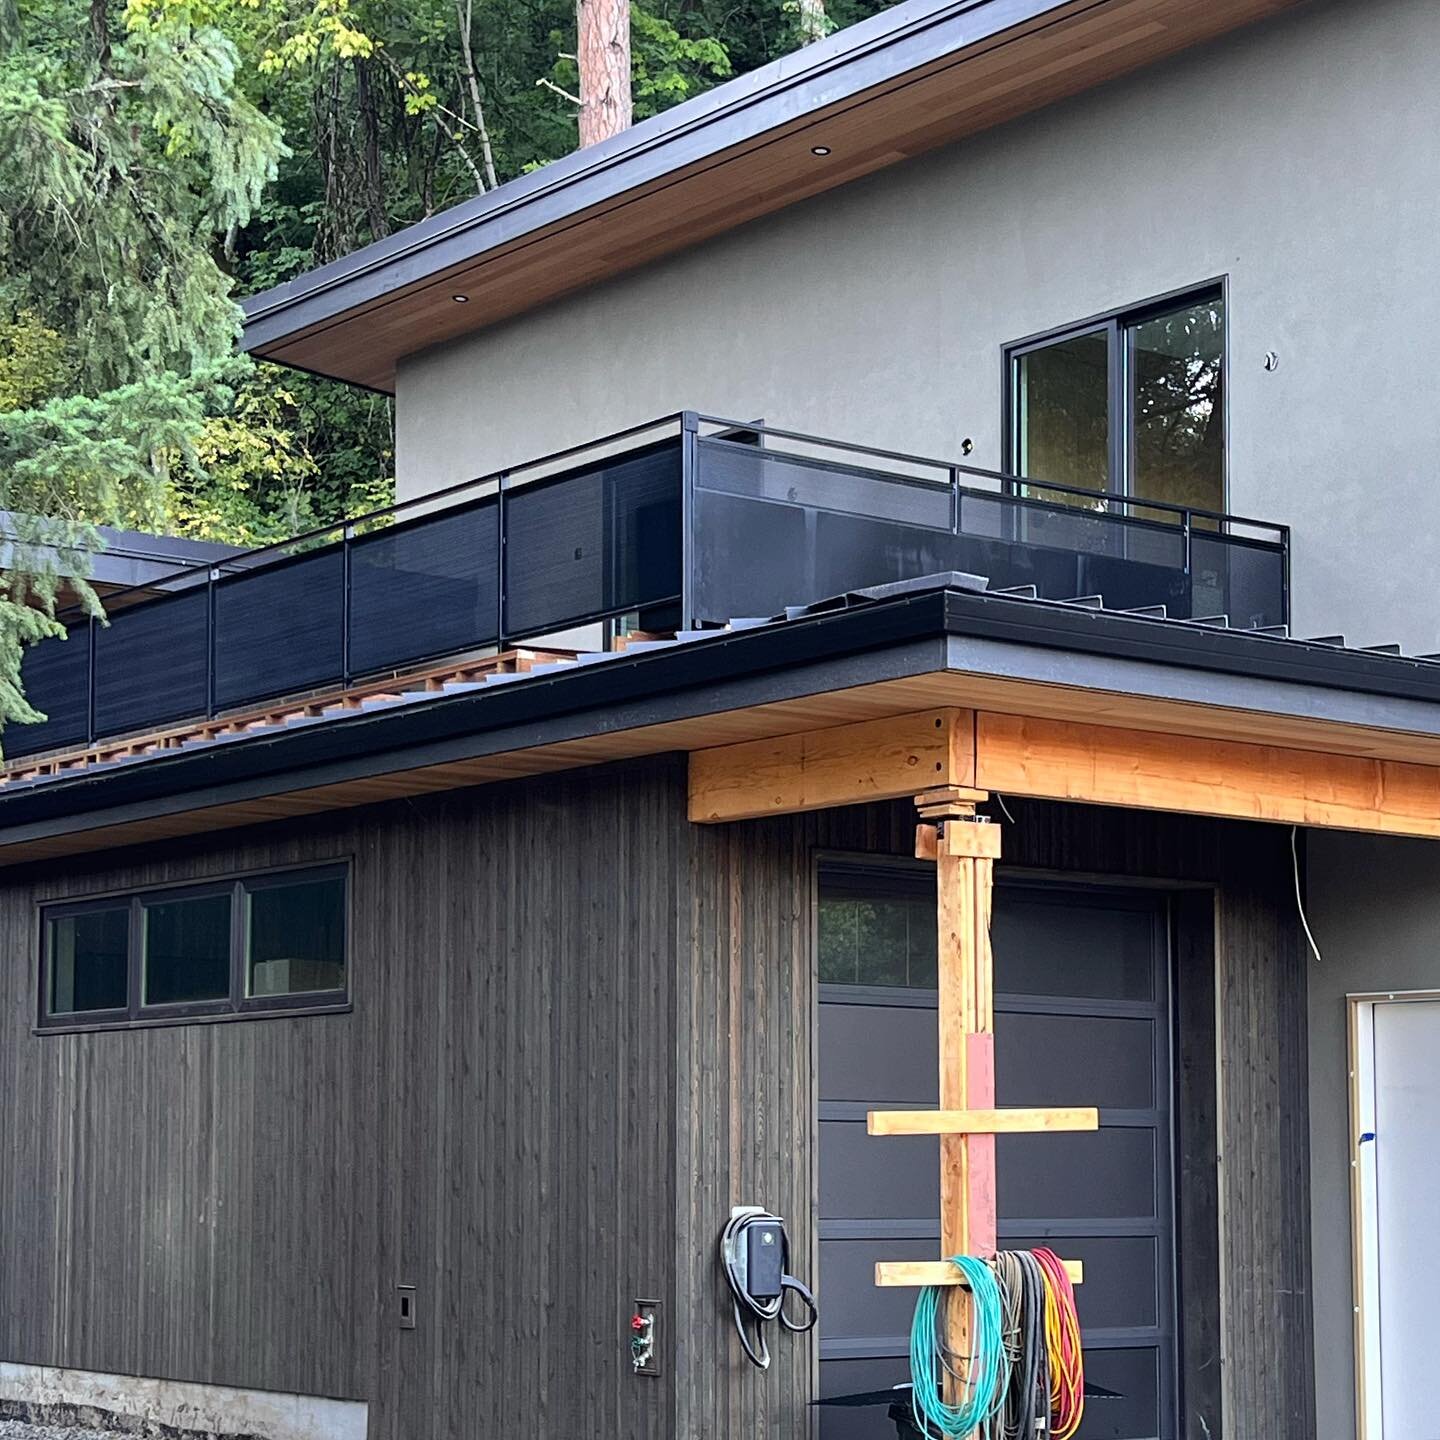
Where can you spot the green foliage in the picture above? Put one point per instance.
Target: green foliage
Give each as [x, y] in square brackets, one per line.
[126, 149]
[34, 362]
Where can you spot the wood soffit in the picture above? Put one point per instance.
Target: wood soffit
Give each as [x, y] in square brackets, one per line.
[1064, 50]
[897, 737]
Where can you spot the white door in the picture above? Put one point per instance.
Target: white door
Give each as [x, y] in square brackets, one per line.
[1397, 1152]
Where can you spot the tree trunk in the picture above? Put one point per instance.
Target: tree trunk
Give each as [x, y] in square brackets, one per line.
[374, 168]
[813, 23]
[603, 54]
[465, 15]
[11, 34]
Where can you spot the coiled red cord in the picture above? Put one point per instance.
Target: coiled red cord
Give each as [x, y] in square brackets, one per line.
[1062, 1340]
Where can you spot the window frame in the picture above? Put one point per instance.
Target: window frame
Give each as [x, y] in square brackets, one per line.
[237, 1004]
[1115, 325]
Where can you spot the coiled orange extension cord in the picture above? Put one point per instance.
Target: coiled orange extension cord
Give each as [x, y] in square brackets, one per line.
[1062, 1341]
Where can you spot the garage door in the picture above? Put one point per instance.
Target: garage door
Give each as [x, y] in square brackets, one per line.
[1082, 1017]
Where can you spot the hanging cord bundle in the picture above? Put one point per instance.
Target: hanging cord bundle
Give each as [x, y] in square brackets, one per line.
[1062, 1341]
[1026, 1412]
[981, 1378]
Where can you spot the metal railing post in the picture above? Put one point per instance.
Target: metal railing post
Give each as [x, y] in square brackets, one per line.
[346, 534]
[957, 496]
[689, 461]
[500, 557]
[210, 659]
[92, 680]
[1285, 575]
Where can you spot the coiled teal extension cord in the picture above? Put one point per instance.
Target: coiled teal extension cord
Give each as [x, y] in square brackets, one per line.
[983, 1381]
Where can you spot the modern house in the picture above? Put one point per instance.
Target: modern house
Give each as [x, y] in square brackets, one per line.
[989, 446]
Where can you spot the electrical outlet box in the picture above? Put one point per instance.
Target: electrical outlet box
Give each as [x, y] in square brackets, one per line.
[764, 1260]
[645, 1337]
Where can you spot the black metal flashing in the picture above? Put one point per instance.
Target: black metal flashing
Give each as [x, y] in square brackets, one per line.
[833, 70]
[852, 641]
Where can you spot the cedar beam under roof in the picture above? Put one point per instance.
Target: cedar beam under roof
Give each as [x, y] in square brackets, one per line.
[1054, 759]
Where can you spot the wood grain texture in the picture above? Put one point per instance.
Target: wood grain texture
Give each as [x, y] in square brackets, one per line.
[1014, 1121]
[235, 1203]
[1053, 759]
[912, 1274]
[841, 765]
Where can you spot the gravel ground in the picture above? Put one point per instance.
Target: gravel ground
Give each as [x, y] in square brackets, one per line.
[23, 1430]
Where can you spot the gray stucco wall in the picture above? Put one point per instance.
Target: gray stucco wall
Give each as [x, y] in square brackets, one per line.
[1300, 159]
[1373, 907]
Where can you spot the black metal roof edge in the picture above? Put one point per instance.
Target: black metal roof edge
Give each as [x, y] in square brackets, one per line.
[1116, 634]
[609, 695]
[725, 671]
[853, 60]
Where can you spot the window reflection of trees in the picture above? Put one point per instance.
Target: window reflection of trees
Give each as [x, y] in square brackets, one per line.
[1171, 412]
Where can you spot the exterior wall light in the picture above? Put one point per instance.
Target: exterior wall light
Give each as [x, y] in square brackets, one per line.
[460, 299]
[819, 149]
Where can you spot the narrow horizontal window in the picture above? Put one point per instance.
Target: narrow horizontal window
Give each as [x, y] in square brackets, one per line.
[273, 943]
[295, 937]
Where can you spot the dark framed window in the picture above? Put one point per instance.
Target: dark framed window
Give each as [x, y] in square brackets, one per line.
[1131, 404]
[257, 944]
[876, 925]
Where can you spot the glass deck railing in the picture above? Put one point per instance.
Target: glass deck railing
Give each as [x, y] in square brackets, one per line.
[680, 524]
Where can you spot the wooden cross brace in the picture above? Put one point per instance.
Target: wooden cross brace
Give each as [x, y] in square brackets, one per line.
[964, 847]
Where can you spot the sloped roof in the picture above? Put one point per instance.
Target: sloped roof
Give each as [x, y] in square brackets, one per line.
[920, 75]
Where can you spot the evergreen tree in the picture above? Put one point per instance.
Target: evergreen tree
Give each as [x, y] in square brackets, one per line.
[128, 153]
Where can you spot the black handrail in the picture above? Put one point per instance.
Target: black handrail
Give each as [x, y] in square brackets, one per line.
[955, 468]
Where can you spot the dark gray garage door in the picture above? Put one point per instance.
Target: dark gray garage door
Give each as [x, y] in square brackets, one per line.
[1082, 1017]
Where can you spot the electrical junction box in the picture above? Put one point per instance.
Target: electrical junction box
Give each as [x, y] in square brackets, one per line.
[764, 1260]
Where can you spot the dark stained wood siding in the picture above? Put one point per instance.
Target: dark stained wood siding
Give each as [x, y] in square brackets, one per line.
[751, 1006]
[583, 1029]
[235, 1203]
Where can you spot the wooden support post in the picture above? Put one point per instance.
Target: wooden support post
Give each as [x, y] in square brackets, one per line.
[964, 848]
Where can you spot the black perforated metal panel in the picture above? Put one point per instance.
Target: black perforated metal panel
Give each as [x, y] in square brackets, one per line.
[56, 676]
[603, 541]
[428, 587]
[150, 664]
[278, 631]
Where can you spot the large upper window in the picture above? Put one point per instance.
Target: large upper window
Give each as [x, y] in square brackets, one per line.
[257, 944]
[1133, 404]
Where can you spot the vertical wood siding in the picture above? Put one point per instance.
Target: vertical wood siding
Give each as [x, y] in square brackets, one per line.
[582, 1030]
[235, 1203]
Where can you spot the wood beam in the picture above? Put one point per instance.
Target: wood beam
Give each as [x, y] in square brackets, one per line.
[980, 1122]
[901, 1274]
[1233, 779]
[844, 765]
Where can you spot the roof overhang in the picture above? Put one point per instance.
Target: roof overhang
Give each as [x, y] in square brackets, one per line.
[1245, 725]
[918, 76]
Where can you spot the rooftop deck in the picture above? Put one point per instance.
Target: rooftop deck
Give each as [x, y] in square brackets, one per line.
[678, 526]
